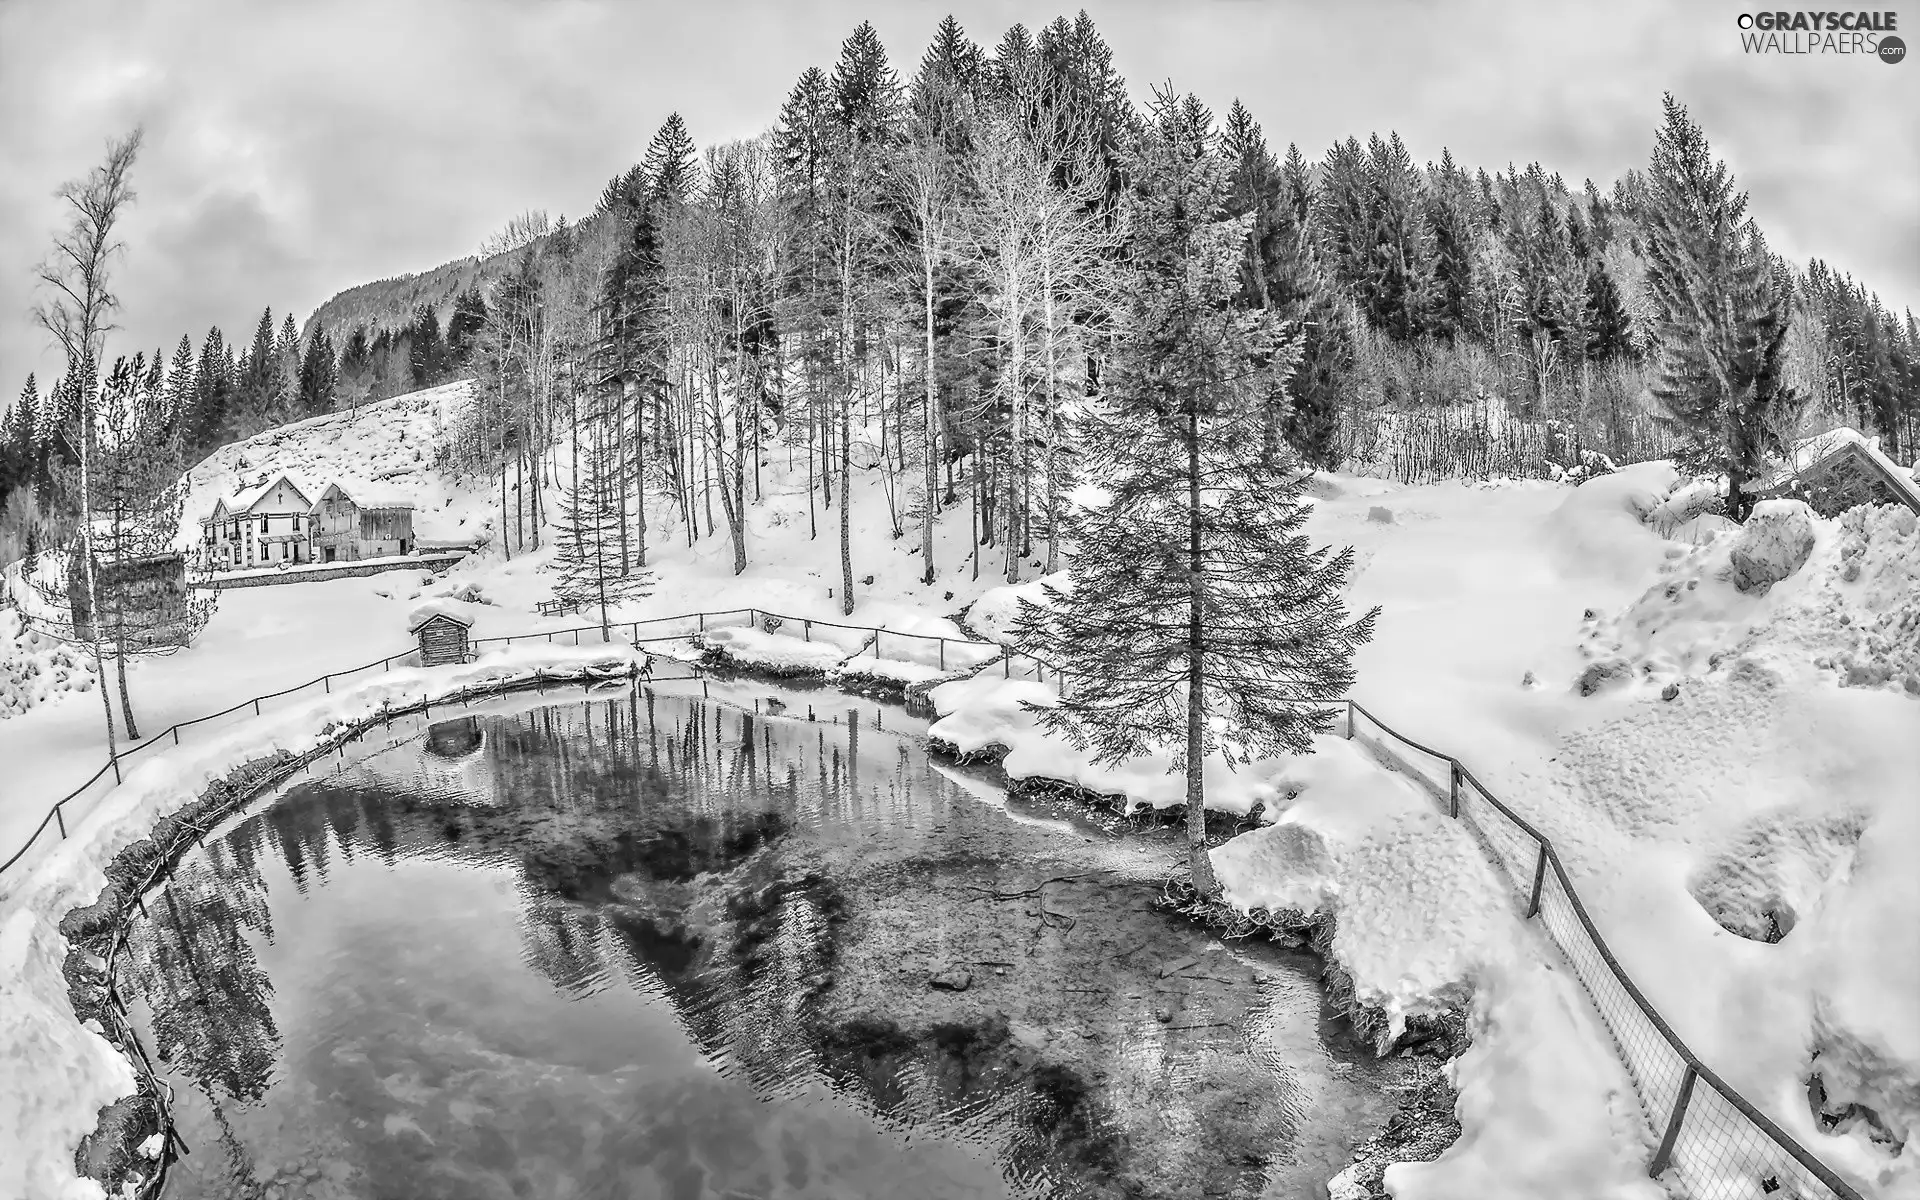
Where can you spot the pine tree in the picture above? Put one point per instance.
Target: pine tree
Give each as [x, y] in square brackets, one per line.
[588, 556]
[257, 373]
[1281, 274]
[469, 317]
[1449, 217]
[426, 350]
[286, 374]
[181, 396]
[1719, 312]
[672, 164]
[1608, 325]
[1397, 290]
[213, 395]
[317, 379]
[1199, 620]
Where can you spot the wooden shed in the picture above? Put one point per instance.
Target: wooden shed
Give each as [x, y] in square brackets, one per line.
[443, 639]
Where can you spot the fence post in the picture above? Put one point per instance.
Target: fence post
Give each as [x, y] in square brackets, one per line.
[703, 622]
[176, 735]
[1539, 877]
[115, 759]
[876, 643]
[753, 618]
[60, 818]
[1663, 1157]
[327, 681]
[256, 706]
[1454, 765]
[943, 654]
[806, 630]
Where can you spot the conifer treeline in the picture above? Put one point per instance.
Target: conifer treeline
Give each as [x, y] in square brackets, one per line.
[915, 276]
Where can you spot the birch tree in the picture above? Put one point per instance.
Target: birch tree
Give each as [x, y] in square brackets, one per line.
[77, 311]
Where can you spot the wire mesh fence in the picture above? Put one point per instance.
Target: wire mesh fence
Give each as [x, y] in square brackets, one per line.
[1715, 1143]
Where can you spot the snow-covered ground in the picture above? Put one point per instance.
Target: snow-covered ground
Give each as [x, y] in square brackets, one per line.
[54, 1074]
[1763, 786]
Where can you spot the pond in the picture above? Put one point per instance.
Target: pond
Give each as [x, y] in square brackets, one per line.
[653, 943]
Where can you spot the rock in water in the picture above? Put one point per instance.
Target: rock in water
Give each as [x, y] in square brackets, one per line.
[1773, 544]
[954, 980]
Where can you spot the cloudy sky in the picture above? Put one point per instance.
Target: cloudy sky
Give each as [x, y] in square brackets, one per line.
[296, 148]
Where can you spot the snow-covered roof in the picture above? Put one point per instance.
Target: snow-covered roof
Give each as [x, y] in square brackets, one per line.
[370, 496]
[246, 498]
[452, 610]
[1808, 452]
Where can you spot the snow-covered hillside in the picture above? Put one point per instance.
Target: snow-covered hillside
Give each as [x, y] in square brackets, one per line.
[387, 446]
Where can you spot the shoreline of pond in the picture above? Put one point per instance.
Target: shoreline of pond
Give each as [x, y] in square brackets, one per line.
[1415, 1130]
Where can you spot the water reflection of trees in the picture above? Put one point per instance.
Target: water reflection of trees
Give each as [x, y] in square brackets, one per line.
[640, 829]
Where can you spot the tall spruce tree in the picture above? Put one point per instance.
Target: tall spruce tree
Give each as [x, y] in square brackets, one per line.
[672, 165]
[589, 556]
[1719, 316]
[1199, 620]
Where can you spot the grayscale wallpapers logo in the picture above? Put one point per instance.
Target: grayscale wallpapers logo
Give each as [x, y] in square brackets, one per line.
[1797, 33]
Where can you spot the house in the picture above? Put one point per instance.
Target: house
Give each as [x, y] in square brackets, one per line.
[347, 524]
[262, 526]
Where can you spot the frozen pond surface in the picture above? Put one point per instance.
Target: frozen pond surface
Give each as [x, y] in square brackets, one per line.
[651, 944]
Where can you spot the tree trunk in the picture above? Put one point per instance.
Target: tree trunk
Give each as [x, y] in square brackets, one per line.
[846, 508]
[1199, 860]
[120, 668]
[932, 419]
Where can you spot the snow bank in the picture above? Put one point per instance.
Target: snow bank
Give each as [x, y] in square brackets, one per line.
[888, 670]
[1773, 544]
[36, 669]
[987, 711]
[1424, 924]
[1602, 526]
[1851, 607]
[994, 613]
[775, 652]
[58, 1073]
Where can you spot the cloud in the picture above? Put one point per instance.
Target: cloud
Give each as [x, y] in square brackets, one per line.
[297, 149]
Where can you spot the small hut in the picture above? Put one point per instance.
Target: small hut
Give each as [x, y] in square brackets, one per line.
[442, 635]
[1839, 469]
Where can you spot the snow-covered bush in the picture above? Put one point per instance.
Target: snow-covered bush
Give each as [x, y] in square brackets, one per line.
[36, 669]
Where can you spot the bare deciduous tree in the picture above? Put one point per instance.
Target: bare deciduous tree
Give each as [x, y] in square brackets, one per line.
[78, 312]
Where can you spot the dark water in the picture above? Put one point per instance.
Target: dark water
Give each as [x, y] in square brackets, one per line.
[648, 944]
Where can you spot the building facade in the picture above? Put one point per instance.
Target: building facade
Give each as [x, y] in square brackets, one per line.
[348, 526]
[262, 527]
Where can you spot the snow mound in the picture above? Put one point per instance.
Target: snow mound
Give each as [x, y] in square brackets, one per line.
[1852, 606]
[1423, 923]
[1774, 543]
[993, 614]
[775, 652]
[36, 669]
[1776, 868]
[1602, 527]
